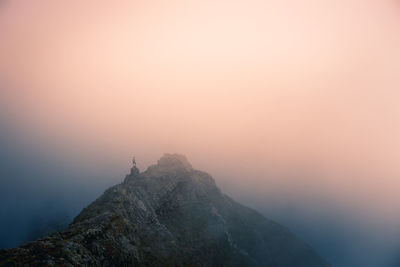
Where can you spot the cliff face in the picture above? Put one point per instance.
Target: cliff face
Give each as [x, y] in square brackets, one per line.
[169, 215]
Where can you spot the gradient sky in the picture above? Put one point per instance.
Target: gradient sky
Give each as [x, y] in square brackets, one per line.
[292, 98]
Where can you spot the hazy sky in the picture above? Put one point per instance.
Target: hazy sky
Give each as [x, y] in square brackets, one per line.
[300, 97]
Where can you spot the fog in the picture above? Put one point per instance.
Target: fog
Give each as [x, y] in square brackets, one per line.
[292, 106]
[38, 193]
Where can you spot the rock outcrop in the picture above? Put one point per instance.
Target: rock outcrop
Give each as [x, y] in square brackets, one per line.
[168, 215]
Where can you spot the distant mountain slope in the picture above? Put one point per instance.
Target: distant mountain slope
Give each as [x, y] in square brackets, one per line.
[169, 215]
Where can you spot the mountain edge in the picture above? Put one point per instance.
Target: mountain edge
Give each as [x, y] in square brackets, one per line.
[169, 215]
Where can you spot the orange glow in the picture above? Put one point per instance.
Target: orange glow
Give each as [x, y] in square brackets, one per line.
[301, 86]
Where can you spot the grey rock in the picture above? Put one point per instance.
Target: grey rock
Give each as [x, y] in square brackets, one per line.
[168, 215]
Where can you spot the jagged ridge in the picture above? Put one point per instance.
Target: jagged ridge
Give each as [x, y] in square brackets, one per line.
[169, 215]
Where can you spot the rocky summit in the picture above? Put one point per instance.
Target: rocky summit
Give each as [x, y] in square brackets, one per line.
[168, 215]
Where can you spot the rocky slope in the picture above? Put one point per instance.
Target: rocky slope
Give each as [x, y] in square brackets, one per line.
[169, 215]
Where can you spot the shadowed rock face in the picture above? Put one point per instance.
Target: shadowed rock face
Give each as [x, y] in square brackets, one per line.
[169, 215]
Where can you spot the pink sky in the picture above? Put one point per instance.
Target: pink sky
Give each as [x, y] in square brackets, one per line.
[309, 86]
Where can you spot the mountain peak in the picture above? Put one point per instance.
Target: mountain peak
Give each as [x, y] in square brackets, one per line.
[169, 215]
[174, 160]
[171, 163]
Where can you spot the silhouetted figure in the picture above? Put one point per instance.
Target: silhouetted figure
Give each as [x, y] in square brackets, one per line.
[134, 161]
[134, 169]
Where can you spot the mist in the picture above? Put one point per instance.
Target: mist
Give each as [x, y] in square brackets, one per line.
[292, 106]
[40, 194]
